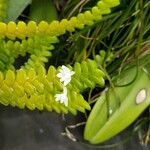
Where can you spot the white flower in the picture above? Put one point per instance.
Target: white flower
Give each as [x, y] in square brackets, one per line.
[62, 98]
[65, 75]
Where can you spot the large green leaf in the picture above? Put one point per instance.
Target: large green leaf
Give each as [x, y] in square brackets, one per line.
[15, 8]
[43, 10]
[117, 108]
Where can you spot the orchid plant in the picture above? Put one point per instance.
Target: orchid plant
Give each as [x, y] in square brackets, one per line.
[114, 34]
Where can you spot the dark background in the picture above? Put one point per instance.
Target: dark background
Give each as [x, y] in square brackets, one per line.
[34, 130]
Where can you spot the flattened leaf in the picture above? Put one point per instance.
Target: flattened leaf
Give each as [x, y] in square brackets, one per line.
[103, 125]
[15, 8]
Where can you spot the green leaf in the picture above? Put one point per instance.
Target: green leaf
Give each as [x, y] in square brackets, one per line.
[15, 8]
[117, 108]
[42, 10]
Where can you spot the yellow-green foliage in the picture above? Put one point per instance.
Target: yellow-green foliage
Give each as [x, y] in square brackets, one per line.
[32, 86]
[36, 89]
[104, 57]
[38, 47]
[56, 28]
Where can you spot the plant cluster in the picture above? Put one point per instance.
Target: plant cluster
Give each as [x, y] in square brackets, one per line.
[102, 46]
[34, 87]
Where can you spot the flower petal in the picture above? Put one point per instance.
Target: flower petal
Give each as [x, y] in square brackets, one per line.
[62, 98]
[65, 75]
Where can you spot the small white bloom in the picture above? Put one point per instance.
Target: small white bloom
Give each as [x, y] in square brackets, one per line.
[65, 75]
[62, 98]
